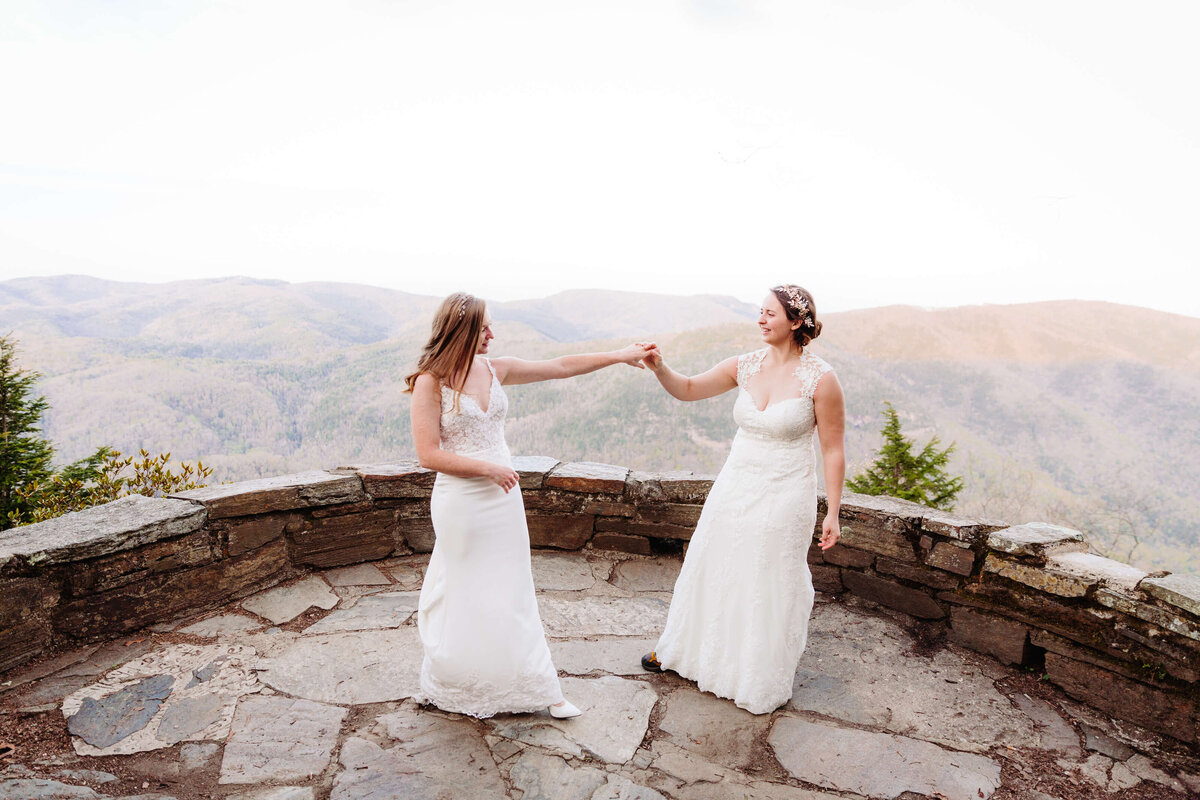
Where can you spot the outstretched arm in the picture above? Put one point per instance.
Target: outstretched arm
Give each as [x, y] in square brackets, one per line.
[426, 414]
[718, 380]
[512, 371]
[830, 407]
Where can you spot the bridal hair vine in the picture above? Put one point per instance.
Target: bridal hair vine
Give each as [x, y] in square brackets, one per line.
[797, 302]
[462, 309]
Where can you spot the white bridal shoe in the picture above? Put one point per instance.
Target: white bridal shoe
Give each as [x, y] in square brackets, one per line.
[564, 710]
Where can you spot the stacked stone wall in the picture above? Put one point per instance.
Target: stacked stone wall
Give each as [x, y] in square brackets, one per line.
[1113, 636]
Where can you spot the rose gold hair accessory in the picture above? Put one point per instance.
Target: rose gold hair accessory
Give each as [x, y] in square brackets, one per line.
[462, 310]
[797, 303]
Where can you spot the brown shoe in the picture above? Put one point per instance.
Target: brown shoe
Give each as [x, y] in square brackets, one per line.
[650, 663]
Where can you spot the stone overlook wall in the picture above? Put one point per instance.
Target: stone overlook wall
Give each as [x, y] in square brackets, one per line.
[1110, 635]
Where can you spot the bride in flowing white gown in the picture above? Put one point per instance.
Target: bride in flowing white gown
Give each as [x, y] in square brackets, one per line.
[738, 621]
[485, 649]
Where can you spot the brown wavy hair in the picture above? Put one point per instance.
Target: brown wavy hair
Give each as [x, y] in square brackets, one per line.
[452, 343]
[810, 326]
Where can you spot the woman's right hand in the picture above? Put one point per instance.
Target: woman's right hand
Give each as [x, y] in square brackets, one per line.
[504, 477]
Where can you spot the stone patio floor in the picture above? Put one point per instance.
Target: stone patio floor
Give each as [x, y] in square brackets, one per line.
[300, 693]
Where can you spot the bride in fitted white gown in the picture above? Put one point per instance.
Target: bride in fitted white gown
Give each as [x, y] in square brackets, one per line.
[738, 621]
[485, 650]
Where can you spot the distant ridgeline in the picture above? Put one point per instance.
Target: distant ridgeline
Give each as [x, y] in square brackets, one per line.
[1109, 635]
[1075, 412]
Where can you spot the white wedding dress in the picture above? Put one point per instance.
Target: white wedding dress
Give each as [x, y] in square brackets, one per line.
[738, 621]
[485, 649]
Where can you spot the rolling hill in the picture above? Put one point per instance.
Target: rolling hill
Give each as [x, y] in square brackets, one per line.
[1082, 413]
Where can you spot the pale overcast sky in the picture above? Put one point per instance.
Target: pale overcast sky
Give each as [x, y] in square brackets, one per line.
[876, 151]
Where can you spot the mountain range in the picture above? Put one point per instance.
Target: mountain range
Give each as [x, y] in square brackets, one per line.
[1081, 413]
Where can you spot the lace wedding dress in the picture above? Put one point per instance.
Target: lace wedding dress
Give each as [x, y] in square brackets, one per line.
[738, 621]
[485, 650]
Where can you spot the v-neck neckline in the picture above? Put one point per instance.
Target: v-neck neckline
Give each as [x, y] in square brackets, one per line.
[491, 387]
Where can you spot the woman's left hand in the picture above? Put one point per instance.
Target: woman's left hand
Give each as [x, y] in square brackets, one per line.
[831, 531]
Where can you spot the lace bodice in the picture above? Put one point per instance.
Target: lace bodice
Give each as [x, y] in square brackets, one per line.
[471, 431]
[790, 419]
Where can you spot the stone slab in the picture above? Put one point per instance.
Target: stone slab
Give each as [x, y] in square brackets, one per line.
[104, 721]
[1181, 591]
[221, 625]
[334, 541]
[166, 596]
[916, 573]
[197, 755]
[348, 668]
[390, 610]
[940, 698]
[249, 533]
[42, 669]
[602, 616]
[284, 603]
[44, 789]
[683, 514]
[1145, 705]
[282, 493]
[879, 764]
[280, 739]
[999, 637]
[652, 530]
[1098, 741]
[123, 524]
[621, 542]
[561, 572]
[1063, 584]
[647, 575]
[1036, 540]
[588, 476]
[892, 595]
[227, 675]
[357, 575]
[400, 480]
[1056, 733]
[615, 656]
[1131, 603]
[96, 575]
[951, 558]
[953, 526]
[1094, 568]
[423, 744]
[713, 728]
[843, 556]
[670, 487]
[887, 538]
[615, 715]
[418, 533]
[277, 793]
[26, 627]
[562, 531]
[532, 470]
[189, 717]
[543, 777]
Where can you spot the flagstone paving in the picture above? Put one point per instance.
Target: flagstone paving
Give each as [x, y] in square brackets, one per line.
[303, 692]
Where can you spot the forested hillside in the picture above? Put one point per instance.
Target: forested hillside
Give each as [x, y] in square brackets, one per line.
[1082, 413]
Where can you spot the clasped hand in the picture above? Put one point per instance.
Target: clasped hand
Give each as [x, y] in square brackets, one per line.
[636, 353]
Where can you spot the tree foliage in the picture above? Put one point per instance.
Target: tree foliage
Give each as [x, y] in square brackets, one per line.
[24, 455]
[899, 472]
[31, 490]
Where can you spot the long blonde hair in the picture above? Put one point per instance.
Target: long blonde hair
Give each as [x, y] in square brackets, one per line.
[452, 344]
